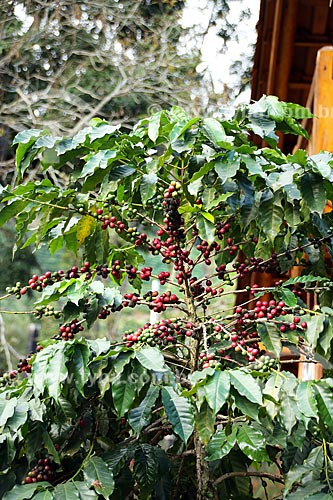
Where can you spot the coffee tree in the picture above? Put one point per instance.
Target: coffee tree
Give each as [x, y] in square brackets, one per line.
[197, 404]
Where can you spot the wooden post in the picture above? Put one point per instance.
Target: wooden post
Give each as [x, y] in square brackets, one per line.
[322, 129]
[321, 139]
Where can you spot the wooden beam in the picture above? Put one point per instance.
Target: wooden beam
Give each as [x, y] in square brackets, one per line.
[274, 46]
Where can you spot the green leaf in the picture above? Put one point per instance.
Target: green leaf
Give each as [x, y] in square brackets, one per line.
[148, 187]
[140, 417]
[206, 228]
[24, 492]
[19, 417]
[98, 160]
[271, 215]
[85, 493]
[270, 337]
[66, 491]
[306, 401]
[123, 392]
[275, 108]
[217, 390]
[227, 169]
[288, 297]
[44, 495]
[221, 444]
[309, 278]
[98, 475]
[56, 371]
[246, 406]
[151, 358]
[145, 469]
[215, 132]
[11, 210]
[80, 366]
[154, 126]
[7, 409]
[324, 400]
[313, 192]
[252, 443]
[179, 413]
[246, 385]
[315, 327]
[205, 423]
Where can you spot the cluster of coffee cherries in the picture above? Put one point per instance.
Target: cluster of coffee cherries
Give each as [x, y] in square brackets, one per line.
[130, 299]
[68, 331]
[264, 364]
[158, 303]
[257, 264]
[172, 218]
[208, 250]
[262, 309]
[164, 332]
[43, 471]
[222, 228]
[7, 378]
[46, 311]
[104, 313]
[208, 359]
[24, 365]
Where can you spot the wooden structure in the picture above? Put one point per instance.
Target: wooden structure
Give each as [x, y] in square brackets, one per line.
[294, 61]
[291, 37]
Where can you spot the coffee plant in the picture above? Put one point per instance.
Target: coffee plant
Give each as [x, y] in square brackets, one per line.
[198, 402]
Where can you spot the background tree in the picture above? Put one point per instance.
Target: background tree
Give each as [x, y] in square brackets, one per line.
[184, 196]
[63, 63]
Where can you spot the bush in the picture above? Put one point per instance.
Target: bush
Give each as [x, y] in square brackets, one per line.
[195, 405]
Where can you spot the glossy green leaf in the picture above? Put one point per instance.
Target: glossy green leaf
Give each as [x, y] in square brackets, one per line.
[324, 400]
[217, 390]
[246, 385]
[25, 491]
[97, 475]
[151, 358]
[252, 443]
[214, 130]
[221, 444]
[145, 469]
[154, 126]
[85, 493]
[275, 108]
[7, 409]
[140, 417]
[44, 495]
[80, 366]
[313, 192]
[11, 210]
[205, 423]
[227, 169]
[306, 399]
[271, 216]
[179, 413]
[56, 371]
[288, 297]
[66, 491]
[123, 392]
[206, 228]
[148, 187]
[314, 329]
[270, 337]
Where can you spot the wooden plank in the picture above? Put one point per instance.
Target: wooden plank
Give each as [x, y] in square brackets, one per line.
[322, 130]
